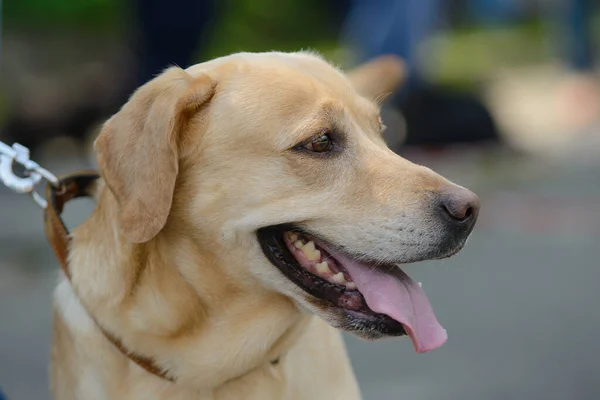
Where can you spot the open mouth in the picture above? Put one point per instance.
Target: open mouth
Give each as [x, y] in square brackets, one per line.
[376, 298]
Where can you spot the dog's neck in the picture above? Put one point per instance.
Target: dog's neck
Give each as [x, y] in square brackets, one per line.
[171, 300]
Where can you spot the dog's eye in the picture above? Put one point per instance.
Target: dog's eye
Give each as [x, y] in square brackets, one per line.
[320, 143]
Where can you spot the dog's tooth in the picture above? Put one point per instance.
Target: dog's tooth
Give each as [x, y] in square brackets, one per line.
[420, 284]
[338, 278]
[310, 252]
[298, 244]
[293, 236]
[314, 256]
[351, 285]
[323, 268]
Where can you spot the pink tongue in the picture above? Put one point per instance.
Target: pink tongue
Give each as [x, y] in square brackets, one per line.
[400, 298]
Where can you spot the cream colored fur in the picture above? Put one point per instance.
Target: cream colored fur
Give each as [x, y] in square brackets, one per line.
[169, 262]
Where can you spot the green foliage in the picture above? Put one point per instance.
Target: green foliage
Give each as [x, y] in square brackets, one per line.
[251, 25]
[466, 55]
[263, 25]
[62, 13]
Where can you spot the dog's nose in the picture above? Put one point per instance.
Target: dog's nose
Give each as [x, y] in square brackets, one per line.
[460, 206]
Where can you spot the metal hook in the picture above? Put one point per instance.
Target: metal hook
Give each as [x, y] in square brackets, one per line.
[26, 185]
[10, 179]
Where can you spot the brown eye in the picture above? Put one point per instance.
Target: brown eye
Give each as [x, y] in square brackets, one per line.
[319, 144]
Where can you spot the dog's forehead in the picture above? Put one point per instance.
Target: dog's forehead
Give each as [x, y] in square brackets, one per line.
[272, 62]
[300, 79]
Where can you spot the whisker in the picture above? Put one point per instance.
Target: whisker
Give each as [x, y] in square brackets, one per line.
[380, 98]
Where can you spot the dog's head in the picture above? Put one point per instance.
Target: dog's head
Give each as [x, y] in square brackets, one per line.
[276, 164]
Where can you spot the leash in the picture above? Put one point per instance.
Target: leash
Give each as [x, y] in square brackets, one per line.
[59, 191]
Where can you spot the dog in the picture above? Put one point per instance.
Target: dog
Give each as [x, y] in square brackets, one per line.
[248, 211]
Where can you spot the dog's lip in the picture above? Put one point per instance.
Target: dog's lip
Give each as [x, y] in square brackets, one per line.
[359, 316]
[382, 291]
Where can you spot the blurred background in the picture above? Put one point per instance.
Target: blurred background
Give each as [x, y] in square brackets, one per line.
[502, 96]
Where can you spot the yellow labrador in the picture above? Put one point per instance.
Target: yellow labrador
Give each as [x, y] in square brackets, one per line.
[249, 207]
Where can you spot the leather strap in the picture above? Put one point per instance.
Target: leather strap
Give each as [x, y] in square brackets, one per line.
[81, 184]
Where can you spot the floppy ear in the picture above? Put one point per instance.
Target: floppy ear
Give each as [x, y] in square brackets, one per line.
[137, 149]
[379, 76]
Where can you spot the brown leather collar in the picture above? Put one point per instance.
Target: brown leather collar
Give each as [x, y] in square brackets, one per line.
[81, 184]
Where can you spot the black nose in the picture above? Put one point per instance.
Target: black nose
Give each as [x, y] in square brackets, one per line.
[460, 206]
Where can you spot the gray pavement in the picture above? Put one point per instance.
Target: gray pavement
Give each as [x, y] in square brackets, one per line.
[520, 303]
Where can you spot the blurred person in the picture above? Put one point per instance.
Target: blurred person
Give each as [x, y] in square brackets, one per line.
[579, 91]
[434, 116]
[579, 14]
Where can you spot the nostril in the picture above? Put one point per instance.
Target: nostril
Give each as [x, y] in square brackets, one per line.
[460, 206]
[468, 212]
[456, 214]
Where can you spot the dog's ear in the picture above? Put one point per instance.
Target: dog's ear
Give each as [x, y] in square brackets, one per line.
[379, 76]
[138, 151]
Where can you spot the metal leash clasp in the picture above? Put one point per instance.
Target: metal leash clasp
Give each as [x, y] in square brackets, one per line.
[33, 175]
